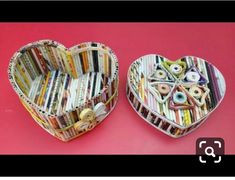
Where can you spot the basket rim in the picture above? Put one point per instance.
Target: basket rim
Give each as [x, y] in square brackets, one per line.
[18, 53]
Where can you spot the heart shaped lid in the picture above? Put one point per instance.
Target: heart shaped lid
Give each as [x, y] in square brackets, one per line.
[181, 92]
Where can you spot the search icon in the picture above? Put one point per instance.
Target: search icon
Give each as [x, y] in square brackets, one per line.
[209, 151]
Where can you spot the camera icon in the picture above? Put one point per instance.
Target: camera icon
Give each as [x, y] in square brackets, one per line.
[210, 147]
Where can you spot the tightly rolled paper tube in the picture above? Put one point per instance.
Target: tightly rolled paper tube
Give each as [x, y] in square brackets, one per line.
[164, 89]
[160, 74]
[193, 77]
[176, 69]
[179, 97]
[195, 92]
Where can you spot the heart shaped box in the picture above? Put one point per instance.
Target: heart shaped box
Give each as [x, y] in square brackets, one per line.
[67, 91]
[175, 97]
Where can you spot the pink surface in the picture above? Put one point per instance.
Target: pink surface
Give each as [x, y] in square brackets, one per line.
[123, 131]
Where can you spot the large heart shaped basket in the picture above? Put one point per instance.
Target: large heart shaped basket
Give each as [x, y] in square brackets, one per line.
[67, 91]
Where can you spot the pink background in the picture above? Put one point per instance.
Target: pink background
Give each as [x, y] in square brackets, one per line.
[123, 131]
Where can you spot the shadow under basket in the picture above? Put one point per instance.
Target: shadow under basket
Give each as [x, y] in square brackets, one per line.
[67, 91]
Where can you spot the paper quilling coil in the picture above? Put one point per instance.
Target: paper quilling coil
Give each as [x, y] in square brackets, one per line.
[193, 76]
[176, 69]
[179, 98]
[160, 74]
[164, 89]
[195, 92]
[196, 88]
[67, 91]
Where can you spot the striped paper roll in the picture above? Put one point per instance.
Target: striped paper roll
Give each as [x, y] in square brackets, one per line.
[67, 91]
[175, 97]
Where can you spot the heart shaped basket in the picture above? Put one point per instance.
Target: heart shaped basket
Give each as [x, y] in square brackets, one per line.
[175, 97]
[67, 91]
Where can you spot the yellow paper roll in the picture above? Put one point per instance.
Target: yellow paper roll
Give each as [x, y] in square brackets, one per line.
[87, 115]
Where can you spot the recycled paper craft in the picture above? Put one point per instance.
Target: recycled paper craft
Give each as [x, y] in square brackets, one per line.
[67, 91]
[175, 97]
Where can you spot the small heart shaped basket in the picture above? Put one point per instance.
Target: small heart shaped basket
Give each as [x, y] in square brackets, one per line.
[67, 91]
[175, 97]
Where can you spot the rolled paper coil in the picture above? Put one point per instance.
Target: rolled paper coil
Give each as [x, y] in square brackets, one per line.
[164, 89]
[160, 74]
[193, 77]
[195, 92]
[176, 69]
[179, 98]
